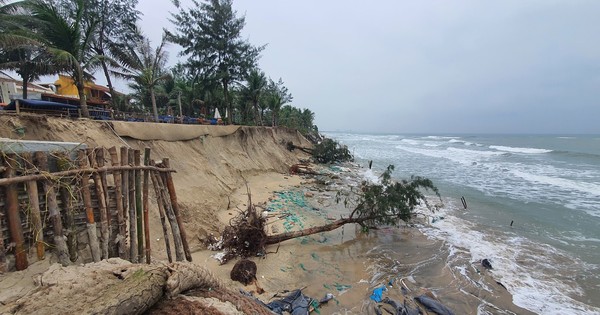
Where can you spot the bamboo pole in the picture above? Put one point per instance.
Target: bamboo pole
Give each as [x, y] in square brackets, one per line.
[175, 205]
[104, 231]
[37, 227]
[138, 206]
[101, 163]
[66, 195]
[161, 211]
[62, 252]
[120, 239]
[89, 211]
[133, 254]
[145, 203]
[125, 185]
[179, 253]
[2, 252]
[13, 216]
[87, 170]
[103, 176]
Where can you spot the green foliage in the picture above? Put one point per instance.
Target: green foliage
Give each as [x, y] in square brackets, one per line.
[296, 118]
[330, 151]
[389, 202]
[210, 34]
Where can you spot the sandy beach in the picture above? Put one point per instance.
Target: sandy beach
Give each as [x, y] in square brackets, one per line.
[213, 169]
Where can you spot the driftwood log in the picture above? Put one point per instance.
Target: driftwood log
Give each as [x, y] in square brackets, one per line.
[113, 286]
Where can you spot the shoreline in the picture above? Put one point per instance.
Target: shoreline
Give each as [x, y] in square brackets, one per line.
[345, 261]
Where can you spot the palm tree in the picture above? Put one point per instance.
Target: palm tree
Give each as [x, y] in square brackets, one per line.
[145, 66]
[256, 82]
[67, 38]
[28, 62]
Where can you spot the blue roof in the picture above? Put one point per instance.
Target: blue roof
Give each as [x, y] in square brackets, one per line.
[38, 104]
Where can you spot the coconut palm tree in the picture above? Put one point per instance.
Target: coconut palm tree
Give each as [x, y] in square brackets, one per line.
[256, 82]
[67, 37]
[145, 66]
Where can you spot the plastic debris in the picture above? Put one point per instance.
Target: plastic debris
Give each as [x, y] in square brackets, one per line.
[377, 294]
[433, 305]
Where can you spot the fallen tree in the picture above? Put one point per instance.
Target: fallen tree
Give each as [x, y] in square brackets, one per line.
[388, 203]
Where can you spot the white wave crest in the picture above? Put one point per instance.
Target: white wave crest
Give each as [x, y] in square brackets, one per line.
[519, 150]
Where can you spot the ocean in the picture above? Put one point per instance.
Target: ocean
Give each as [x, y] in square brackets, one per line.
[533, 210]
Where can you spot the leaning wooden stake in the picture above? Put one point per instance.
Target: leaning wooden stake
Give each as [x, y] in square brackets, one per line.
[173, 197]
[89, 211]
[13, 215]
[179, 252]
[37, 227]
[120, 239]
[145, 203]
[104, 230]
[133, 249]
[161, 212]
[53, 212]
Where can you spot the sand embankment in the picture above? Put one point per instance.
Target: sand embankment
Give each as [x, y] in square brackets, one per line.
[211, 161]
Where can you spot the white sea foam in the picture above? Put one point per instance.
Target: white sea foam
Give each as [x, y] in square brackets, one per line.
[440, 137]
[532, 281]
[519, 150]
[461, 141]
[589, 188]
[410, 141]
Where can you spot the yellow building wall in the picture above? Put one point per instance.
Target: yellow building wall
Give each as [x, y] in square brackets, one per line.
[66, 86]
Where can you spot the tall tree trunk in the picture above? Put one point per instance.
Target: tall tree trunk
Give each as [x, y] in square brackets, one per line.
[227, 103]
[154, 108]
[81, 91]
[277, 238]
[25, 84]
[109, 84]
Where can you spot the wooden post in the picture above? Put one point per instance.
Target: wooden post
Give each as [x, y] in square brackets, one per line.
[13, 215]
[175, 205]
[101, 163]
[62, 251]
[3, 267]
[37, 227]
[18, 106]
[138, 206]
[120, 239]
[89, 211]
[145, 203]
[161, 211]
[104, 236]
[133, 249]
[179, 252]
[66, 195]
[125, 186]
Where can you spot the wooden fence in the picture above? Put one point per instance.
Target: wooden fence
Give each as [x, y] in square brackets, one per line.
[48, 199]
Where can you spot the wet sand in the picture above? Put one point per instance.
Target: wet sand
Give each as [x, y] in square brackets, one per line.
[349, 263]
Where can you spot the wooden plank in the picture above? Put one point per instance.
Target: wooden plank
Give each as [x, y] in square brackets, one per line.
[139, 206]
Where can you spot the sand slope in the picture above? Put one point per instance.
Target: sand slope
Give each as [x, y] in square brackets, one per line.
[211, 161]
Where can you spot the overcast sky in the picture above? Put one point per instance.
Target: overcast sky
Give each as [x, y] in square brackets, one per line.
[428, 66]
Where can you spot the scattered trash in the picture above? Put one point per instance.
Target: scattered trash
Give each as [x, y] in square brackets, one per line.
[377, 294]
[486, 264]
[433, 305]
